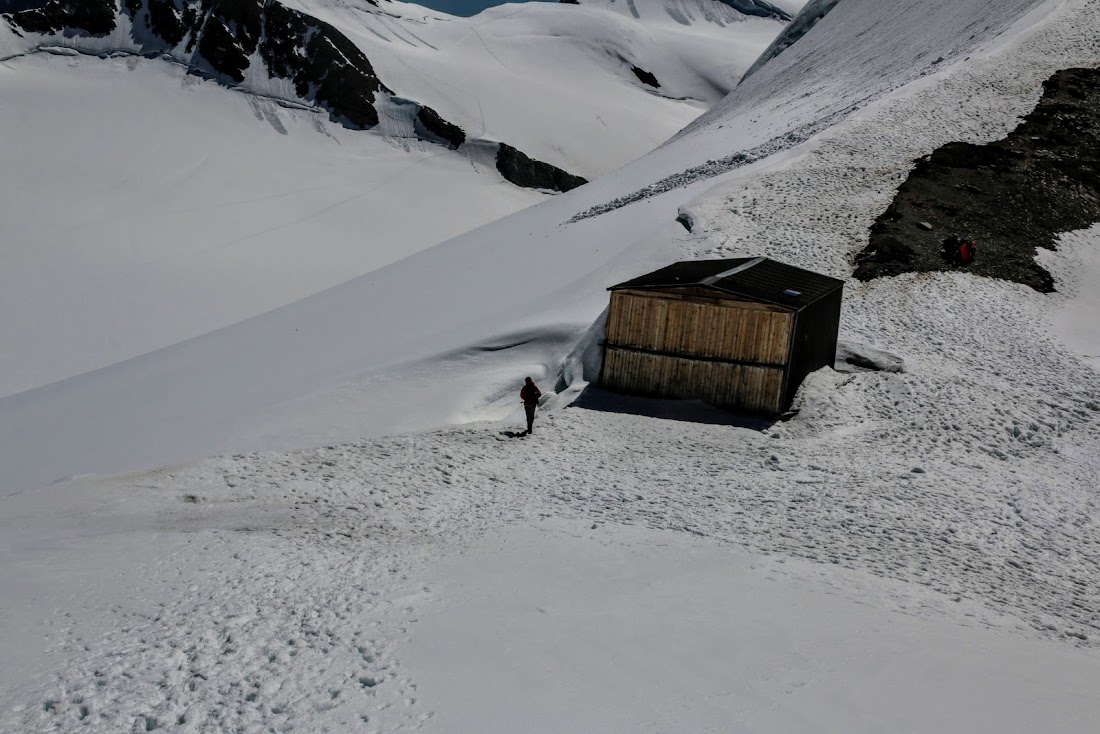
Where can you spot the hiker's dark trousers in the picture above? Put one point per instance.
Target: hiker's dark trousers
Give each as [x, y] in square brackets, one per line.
[530, 408]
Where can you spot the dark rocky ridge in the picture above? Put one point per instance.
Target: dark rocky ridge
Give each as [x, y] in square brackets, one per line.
[218, 38]
[332, 73]
[221, 37]
[802, 24]
[759, 9]
[1012, 196]
[94, 17]
[524, 171]
[755, 8]
[437, 126]
[645, 77]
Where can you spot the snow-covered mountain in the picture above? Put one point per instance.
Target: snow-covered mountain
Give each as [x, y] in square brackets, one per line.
[914, 550]
[323, 53]
[530, 282]
[183, 165]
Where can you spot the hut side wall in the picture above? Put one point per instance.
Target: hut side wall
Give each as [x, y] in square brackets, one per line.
[814, 343]
[689, 345]
[689, 326]
[725, 384]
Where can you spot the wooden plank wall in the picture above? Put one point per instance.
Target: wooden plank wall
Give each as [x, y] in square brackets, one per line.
[741, 387]
[693, 326]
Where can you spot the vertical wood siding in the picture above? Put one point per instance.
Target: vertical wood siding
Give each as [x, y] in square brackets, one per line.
[686, 327]
[721, 329]
[742, 387]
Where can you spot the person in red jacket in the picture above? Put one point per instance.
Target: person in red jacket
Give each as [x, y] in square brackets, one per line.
[530, 395]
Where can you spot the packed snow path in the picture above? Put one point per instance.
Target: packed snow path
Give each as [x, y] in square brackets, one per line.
[282, 585]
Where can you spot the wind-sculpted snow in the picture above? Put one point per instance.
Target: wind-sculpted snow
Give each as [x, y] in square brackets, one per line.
[957, 481]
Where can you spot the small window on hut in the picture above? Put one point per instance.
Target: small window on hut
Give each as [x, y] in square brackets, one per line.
[792, 293]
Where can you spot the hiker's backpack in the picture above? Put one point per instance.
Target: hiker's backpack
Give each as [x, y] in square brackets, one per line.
[966, 251]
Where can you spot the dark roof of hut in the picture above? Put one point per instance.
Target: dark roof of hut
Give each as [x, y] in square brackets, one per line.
[755, 279]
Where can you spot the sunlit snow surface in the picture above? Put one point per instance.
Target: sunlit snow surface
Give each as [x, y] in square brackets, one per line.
[931, 534]
[142, 206]
[610, 573]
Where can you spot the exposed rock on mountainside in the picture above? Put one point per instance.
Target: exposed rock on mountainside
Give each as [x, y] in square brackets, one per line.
[524, 171]
[759, 8]
[436, 125]
[95, 17]
[1012, 195]
[332, 72]
[682, 10]
[221, 39]
[646, 77]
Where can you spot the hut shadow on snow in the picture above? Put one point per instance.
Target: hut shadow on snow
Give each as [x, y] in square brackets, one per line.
[594, 397]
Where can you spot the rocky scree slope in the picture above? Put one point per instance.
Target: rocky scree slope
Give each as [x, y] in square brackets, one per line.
[1012, 195]
[227, 40]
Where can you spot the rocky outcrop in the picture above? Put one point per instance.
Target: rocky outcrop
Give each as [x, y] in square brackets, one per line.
[522, 170]
[433, 124]
[332, 72]
[1011, 196]
[759, 9]
[645, 77]
[222, 39]
[801, 24]
[94, 17]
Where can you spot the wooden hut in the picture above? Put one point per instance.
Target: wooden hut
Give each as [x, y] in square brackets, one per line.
[739, 334]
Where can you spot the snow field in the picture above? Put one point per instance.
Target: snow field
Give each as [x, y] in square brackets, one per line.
[583, 109]
[988, 378]
[171, 207]
[1076, 267]
[960, 494]
[278, 583]
[561, 627]
[526, 274]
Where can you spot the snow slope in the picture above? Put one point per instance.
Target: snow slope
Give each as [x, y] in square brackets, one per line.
[610, 573]
[572, 98]
[924, 536]
[512, 297]
[171, 206]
